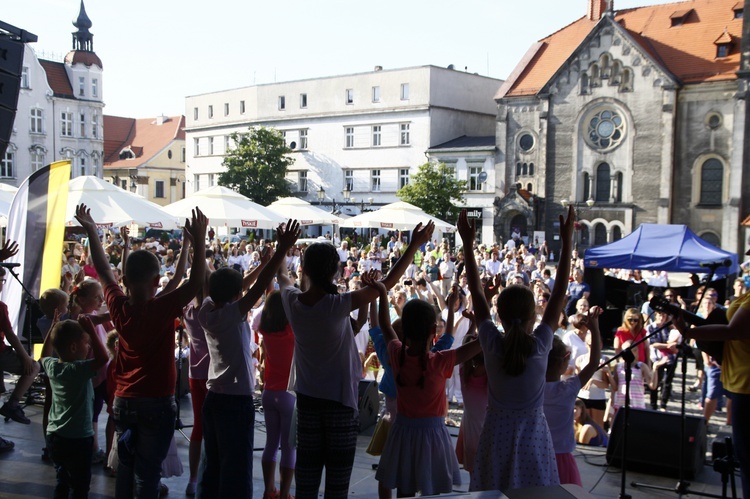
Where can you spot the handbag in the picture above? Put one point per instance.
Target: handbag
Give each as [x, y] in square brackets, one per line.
[379, 436]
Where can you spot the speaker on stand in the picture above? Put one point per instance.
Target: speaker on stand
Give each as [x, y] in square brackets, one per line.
[12, 42]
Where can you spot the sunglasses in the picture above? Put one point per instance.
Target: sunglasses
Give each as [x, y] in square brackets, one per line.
[633, 320]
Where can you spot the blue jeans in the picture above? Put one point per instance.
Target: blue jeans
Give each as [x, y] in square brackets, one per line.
[145, 427]
[228, 434]
[741, 436]
[72, 458]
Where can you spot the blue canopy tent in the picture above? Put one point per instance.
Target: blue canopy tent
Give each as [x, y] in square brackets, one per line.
[674, 248]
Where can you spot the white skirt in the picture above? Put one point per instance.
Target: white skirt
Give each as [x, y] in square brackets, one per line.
[419, 457]
[515, 451]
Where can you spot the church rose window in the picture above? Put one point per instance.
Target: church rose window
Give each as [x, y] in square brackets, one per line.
[606, 129]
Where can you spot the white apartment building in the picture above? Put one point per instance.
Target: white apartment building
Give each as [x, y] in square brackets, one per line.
[59, 111]
[367, 131]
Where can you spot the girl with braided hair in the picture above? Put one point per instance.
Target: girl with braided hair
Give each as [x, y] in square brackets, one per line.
[327, 365]
[418, 455]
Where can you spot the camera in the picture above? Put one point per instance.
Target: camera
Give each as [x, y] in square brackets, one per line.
[407, 282]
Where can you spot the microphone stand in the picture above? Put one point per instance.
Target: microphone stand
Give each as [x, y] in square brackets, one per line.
[683, 487]
[628, 356]
[30, 301]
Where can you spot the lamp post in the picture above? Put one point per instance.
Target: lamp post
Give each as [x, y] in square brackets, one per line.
[576, 206]
[321, 195]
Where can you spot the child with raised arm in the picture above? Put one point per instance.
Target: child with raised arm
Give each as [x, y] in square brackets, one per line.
[328, 367]
[70, 433]
[228, 411]
[515, 449]
[145, 375]
[560, 397]
[406, 464]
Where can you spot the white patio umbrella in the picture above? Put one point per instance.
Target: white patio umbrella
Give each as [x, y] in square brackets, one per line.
[112, 206]
[6, 198]
[396, 216]
[224, 206]
[303, 212]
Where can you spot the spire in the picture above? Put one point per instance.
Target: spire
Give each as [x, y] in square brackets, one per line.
[83, 39]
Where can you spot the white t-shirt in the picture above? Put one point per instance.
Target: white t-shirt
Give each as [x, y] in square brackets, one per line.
[229, 341]
[559, 401]
[577, 346]
[325, 355]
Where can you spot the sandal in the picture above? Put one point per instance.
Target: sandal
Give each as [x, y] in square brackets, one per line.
[6, 445]
[274, 494]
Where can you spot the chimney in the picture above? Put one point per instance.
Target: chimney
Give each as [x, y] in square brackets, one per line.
[596, 9]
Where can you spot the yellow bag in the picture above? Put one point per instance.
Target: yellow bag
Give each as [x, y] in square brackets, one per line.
[377, 442]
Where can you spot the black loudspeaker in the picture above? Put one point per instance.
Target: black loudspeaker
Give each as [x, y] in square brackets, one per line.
[369, 403]
[11, 63]
[654, 443]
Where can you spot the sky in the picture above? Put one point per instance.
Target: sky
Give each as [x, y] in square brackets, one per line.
[157, 52]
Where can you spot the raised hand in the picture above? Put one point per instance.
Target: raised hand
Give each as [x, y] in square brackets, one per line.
[83, 216]
[452, 297]
[187, 237]
[567, 225]
[466, 229]
[422, 233]
[287, 235]
[196, 226]
[9, 249]
[125, 235]
[492, 287]
[265, 254]
[370, 279]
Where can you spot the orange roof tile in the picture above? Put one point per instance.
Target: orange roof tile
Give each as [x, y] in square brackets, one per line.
[144, 137]
[687, 50]
[57, 78]
[83, 57]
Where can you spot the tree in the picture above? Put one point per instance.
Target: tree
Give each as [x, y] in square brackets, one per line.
[256, 167]
[435, 189]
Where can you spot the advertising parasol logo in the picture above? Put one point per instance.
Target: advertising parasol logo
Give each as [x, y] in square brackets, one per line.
[105, 225]
[305, 222]
[156, 225]
[250, 223]
[594, 263]
[386, 225]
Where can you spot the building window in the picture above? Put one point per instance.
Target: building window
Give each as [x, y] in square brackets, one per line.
[403, 177]
[405, 135]
[349, 180]
[37, 160]
[94, 87]
[210, 146]
[7, 165]
[518, 169]
[375, 177]
[211, 179]
[37, 121]
[195, 113]
[303, 139]
[525, 169]
[712, 183]
[531, 169]
[242, 107]
[124, 184]
[226, 143]
[159, 189]
[739, 12]
[95, 125]
[83, 125]
[210, 112]
[302, 101]
[474, 183]
[66, 124]
[600, 235]
[606, 129]
[350, 96]
[226, 109]
[81, 86]
[25, 77]
[586, 186]
[376, 94]
[197, 146]
[616, 233]
[404, 91]
[302, 181]
[182, 155]
[603, 183]
[197, 182]
[526, 142]
[282, 102]
[376, 132]
[82, 165]
[349, 136]
[618, 195]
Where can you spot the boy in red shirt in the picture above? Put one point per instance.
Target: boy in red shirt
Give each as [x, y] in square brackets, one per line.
[144, 405]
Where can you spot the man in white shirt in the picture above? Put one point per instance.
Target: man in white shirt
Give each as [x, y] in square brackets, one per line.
[493, 265]
[343, 252]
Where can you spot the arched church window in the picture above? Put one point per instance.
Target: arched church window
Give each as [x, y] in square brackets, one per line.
[712, 183]
[603, 183]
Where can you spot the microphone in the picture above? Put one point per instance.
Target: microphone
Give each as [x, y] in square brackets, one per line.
[716, 264]
[9, 265]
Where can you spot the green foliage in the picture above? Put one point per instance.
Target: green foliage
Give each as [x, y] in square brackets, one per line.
[435, 189]
[257, 165]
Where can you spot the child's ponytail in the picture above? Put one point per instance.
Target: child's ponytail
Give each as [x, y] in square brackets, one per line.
[518, 347]
[516, 307]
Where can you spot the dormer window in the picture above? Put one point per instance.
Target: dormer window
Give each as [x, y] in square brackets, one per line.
[127, 153]
[739, 10]
[680, 17]
[723, 44]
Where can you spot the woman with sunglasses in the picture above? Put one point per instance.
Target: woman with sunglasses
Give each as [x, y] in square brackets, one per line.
[632, 330]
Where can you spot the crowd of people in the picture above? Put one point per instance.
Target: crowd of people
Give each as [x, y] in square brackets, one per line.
[491, 329]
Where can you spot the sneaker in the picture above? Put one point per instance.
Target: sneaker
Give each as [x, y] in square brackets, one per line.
[46, 455]
[11, 410]
[98, 457]
[163, 490]
[190, 489]
[6, 445]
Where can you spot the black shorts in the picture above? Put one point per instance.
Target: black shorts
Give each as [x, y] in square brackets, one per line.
[599, 404]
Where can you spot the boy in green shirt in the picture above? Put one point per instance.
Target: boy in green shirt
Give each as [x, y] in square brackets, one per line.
[70, 433]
